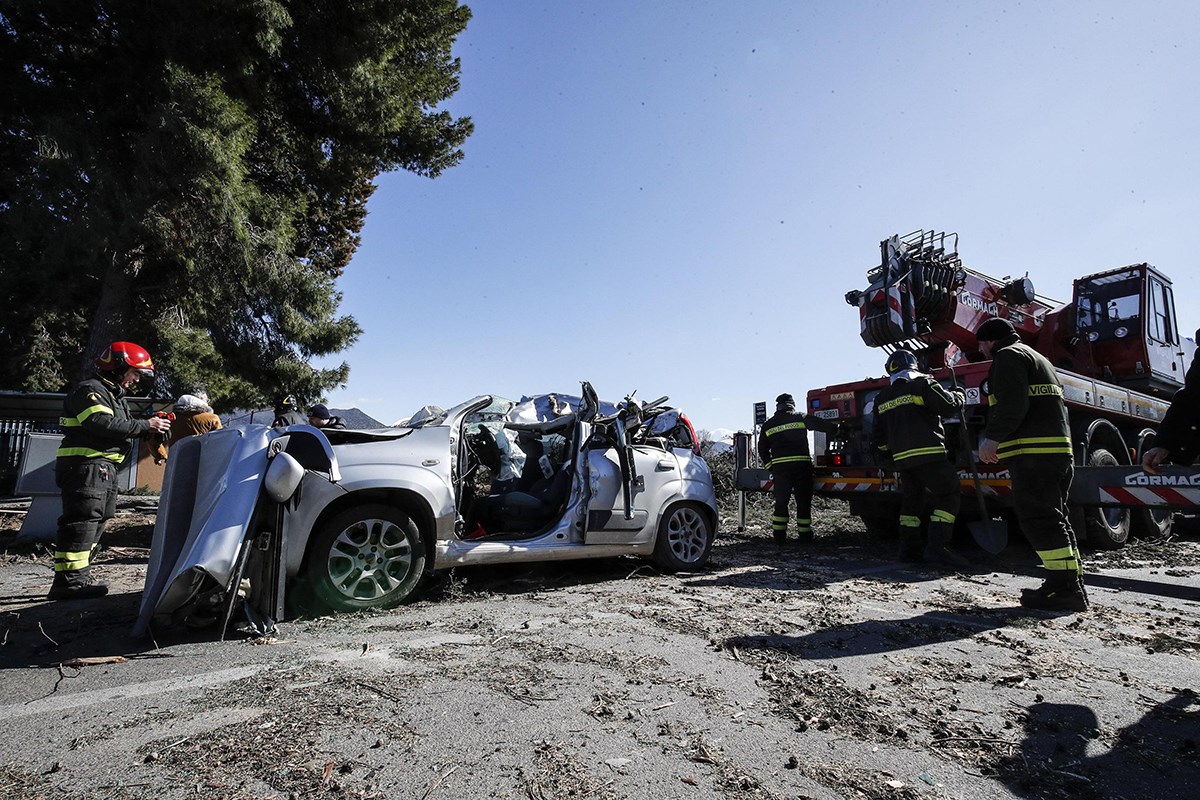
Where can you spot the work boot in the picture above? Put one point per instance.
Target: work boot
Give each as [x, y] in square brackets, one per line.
[804, 538]
[76, 585]
[1065, 593]
[780, 538]
[908, 548]
[937, 551]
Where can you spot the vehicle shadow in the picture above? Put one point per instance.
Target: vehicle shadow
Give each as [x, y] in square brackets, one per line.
[1138, 586]
[883, 635]
[50, 634]
[1066, 753]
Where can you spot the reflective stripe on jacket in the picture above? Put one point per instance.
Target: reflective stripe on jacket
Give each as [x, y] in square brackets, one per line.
[1027, 414]
[784, 438]
[96, 422]
[907, 424]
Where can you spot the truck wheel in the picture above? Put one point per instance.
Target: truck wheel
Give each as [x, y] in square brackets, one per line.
[370, 556]
[1107, 528]
[1153, 523]
[685, 539]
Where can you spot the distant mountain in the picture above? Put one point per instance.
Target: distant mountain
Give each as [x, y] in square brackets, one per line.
[358, 420]
[721, 438]
[352, 417]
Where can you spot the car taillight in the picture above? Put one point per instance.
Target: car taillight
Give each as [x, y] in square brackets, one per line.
[835, 460]
[695, 441]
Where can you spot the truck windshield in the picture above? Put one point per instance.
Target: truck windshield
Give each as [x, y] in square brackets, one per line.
[1110, 306]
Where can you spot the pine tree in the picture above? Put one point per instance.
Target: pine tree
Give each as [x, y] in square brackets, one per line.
[192, 175]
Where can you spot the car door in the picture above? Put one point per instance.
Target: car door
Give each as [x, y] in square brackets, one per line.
[648, 475]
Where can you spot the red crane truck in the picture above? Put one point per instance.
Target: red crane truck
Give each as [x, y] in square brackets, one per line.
[1117, 349]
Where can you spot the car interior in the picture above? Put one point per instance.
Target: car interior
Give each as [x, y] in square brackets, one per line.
[519, 490]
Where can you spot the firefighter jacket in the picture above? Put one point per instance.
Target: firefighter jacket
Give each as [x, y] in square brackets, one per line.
[908, 415]
[187, 423]
[96, 422]
[1027, 414]
[784, 438]
[286, 418]
[1179, 429]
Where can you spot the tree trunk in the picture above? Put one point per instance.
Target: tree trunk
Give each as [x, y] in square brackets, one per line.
[111, 319]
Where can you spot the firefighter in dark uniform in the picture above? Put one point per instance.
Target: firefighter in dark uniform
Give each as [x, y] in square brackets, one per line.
[96, 433]
[1178, 437]
[287, 413]
[783, 448]
[1027, 430]
[907, 431]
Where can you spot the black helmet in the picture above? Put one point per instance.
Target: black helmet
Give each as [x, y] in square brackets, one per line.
[995, 329]
[285, 402]
[899, 361]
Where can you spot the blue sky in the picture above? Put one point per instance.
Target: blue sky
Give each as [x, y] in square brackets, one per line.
[674, 197]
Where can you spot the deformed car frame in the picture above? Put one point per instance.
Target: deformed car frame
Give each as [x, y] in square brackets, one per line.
[349, 520]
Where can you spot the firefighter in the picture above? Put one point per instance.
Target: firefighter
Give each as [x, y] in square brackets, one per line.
[286, 412]
[907, 431]
[1178, 438]
[1027, 429]
[96, 428]
[783, 447]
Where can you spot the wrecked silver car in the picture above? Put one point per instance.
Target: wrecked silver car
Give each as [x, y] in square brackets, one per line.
[345, 520]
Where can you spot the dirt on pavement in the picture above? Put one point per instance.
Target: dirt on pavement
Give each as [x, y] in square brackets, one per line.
[827, 671]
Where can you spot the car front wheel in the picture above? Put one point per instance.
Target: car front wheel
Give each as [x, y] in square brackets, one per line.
[685, 538]
[371, 556]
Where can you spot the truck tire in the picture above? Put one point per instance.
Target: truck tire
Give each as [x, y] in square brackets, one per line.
[1107, 528]
[1151, 523]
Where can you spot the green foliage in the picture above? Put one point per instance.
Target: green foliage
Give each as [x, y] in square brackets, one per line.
[193, 176]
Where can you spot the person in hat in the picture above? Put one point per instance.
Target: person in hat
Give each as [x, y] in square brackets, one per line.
[907, 432]
[319, 417]
[1027, 430]
[783, 448]
[193, 416]
[1178, 438]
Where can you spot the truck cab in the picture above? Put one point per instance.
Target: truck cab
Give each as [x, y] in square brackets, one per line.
[1127, 315]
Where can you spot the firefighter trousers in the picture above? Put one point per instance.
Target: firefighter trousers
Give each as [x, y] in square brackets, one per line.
[794, 479]
[938, 478]
[89, 498]
[1040, 486]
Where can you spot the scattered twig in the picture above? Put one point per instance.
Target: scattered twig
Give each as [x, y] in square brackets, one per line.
[378, 691]
[973, 739]
[43, 632]
[91, 661]
[435, 784]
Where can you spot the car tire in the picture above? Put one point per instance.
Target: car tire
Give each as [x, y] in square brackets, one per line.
[685, 538]
[370, 556]
[1107, 528]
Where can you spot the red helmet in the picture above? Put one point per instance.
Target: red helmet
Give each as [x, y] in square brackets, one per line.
[121, 355]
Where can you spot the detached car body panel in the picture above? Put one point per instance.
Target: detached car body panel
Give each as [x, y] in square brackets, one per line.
[354, 519]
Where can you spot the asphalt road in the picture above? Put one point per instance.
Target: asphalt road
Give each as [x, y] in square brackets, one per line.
[824, 672]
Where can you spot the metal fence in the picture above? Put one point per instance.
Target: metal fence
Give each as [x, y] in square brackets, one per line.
[13, 433]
